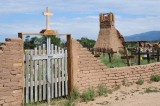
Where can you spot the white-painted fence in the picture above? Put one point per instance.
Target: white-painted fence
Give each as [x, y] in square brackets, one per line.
[45, 73]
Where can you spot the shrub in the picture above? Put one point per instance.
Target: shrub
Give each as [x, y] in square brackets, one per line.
[148, 90]
[125, 82]
[88, 95]
[140, 82]
[69, 103]
[155, 78]
[74, 94]
[102, 90]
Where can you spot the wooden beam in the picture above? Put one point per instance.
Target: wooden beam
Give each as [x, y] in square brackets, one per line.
[69, 61]
[28, 33]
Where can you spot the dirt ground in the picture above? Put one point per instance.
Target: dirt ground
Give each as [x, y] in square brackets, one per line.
[147, 94]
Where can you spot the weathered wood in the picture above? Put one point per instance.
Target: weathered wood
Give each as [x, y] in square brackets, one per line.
[44, 74]
[124, 57]
[34, 33]
[126, 53]
[59, 74]
[35, 76]
[40, 75]
[69, 62]
[31, 77]
[158, 55]
[139, 55]
[44, 82]
[66, 73]
[26, 76]
[56, 65]
[48, 70]
[45, 57]
[148, 57]
[52, 73]
[63, 73]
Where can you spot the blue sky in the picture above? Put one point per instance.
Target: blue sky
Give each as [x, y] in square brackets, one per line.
[78, 17]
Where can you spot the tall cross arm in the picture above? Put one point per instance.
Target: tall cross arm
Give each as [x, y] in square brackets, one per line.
[47, 14]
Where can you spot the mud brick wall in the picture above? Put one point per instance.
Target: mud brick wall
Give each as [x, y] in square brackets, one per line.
[11, 72]
[88, 71]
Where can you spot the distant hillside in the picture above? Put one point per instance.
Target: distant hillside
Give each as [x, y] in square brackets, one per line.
[149, 36]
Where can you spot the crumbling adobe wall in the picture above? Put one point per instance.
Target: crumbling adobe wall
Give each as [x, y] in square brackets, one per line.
[109, 36]
[87, 70]
[11, 72]
[90, 72]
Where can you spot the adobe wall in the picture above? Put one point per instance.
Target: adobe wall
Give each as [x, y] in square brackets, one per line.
[11, 72]
[90, 72]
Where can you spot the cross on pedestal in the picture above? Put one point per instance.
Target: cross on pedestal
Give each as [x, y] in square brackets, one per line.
[47, 14]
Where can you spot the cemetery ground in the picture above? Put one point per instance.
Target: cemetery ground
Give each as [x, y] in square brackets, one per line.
[116, 61]
[141, 93]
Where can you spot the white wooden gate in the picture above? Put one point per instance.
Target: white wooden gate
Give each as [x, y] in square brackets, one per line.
[45, 73]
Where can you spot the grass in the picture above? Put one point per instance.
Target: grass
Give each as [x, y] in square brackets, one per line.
[69, 103]
[116, 61]
[125, 82]
[140, 82]
[88, 95]
[149, 90]
[74, 94]
[155, 78]
[102, 90]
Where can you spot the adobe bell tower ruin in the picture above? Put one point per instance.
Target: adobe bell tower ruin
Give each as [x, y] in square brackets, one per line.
[109, 36]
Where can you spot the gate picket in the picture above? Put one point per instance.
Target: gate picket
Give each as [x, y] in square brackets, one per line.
[31, 77]
[66, 74]
[59, 74]
[48, 70]
[35, 76]
[63, 72]
[45, 73]
[52, 74]
[26, 76]
[40, 75]
[56, 73]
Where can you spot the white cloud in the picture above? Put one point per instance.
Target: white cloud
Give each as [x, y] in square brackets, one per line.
[80, 17]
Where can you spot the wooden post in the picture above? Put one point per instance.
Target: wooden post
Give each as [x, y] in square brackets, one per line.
[20, 35]
[109, 55]
[139, 54]
[125, 50]
[158, 54]
[148, 57]
[69, 63]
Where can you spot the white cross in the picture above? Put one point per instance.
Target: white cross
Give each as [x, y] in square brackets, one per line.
[47, 14]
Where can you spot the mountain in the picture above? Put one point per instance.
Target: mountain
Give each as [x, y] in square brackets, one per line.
[149, 36]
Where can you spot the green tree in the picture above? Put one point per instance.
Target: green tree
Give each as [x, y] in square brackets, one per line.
[86, 42]
[31, 43]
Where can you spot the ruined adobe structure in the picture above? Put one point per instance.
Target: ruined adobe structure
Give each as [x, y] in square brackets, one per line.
[11, 72]
[109, 36]
[88, 71]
